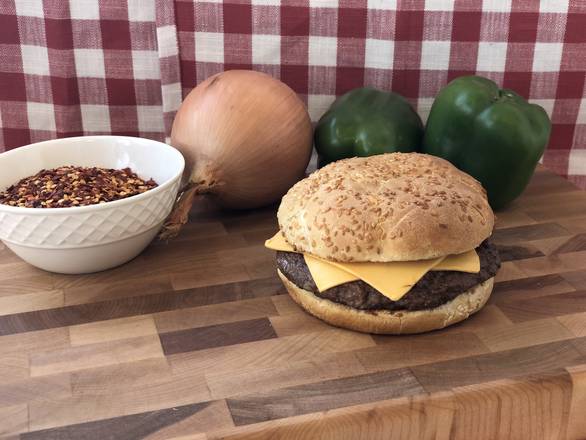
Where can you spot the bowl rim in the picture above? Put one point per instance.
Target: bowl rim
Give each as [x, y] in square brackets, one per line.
[84, 209]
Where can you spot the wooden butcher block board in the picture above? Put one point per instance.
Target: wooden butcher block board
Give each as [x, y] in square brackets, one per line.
[198, 339]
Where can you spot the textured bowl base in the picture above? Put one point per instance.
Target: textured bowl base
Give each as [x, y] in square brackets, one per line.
[86, 259]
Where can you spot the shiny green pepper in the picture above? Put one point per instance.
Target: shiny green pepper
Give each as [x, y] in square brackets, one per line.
[365, 122]
[493, 134]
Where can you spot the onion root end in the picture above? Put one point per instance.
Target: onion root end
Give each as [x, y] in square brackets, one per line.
[180, 214]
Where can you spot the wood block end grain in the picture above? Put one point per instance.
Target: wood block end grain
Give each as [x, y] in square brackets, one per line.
[95, 355]
[575, 323]
[577, 421]
[112, 330]
[27, 302]
[13, 420]
[524, 334]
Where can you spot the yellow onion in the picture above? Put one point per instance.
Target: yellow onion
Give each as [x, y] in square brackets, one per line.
[246, 138]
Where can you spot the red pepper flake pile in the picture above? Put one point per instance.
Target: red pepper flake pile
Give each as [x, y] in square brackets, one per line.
[69, 186]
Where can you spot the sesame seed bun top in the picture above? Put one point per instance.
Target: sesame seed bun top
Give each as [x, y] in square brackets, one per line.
[389, 207]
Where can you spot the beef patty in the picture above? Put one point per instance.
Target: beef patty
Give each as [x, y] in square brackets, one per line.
[434, 289]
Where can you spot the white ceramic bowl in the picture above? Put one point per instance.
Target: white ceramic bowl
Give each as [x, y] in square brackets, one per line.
[89, 238]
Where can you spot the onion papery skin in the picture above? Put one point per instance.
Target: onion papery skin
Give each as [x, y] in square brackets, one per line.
[246, 138]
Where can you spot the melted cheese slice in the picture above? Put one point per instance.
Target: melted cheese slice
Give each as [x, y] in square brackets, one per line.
[278, 243]
[393, 279]
[327, 275]
[464, 262]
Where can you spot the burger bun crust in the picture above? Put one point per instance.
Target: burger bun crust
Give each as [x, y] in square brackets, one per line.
[391, 322]
[389, 207]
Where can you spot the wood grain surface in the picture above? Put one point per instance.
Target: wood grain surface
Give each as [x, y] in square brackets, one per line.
[197, 339]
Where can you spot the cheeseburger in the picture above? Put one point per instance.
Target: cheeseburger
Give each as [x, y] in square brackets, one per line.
[394, 243]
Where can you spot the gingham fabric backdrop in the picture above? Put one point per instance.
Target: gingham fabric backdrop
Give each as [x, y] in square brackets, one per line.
[122, 66]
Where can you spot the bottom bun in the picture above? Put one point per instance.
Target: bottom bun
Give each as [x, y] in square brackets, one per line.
[392, 322]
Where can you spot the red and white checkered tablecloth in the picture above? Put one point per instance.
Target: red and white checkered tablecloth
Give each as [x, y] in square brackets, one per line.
[122, 66]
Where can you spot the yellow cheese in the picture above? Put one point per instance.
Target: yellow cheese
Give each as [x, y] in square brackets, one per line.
[325, 274]
[393, 279]
[465, 262]
[278, 243]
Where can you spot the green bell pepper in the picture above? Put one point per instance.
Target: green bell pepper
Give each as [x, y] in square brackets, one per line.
[365, 122]
[493, 134]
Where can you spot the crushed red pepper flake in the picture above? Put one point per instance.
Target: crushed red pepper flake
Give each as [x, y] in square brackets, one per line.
[69, 186]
